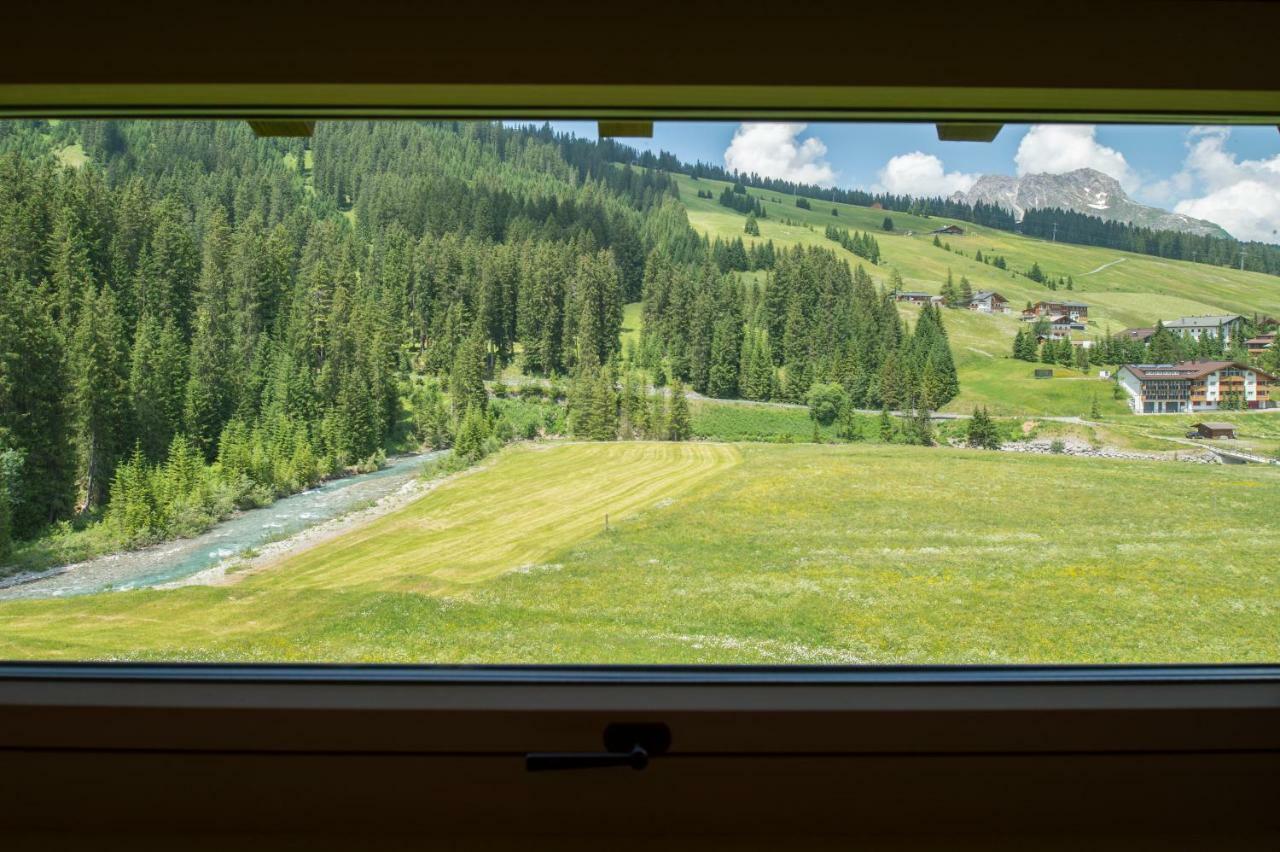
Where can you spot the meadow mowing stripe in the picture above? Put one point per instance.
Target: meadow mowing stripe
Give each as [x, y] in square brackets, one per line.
[467, 531]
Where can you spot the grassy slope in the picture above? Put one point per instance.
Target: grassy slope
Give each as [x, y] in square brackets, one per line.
[792, 554]
[1134, 292]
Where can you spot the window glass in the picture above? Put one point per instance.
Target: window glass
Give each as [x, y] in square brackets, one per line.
[740, 393]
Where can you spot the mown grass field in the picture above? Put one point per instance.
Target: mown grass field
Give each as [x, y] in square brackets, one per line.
[1256, 432]
[1123, 289]
[744, 554]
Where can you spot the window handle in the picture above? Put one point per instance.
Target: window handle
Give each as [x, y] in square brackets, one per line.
[637, 758]
[631, 745]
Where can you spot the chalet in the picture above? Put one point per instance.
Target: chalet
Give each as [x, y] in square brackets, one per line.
[1075, 310]
[1215, 430]
[1194, 386]
[953, 230]
[1138, 334]
[1059, 328]
[1256, 345]
[1224, 326]
[989, 302]
[912, 297]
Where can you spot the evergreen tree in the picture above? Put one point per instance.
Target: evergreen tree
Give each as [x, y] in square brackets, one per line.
[100, 386]
[10, 482]
[849, 428]
[726, 348]
[657, 419]
[35, 410]
[982, 431]
[210, 392]
[157, 380]
[466, 379]
[472, 434]
[680, 425]
[604, 408]
[1065, 356]
[752, 228]
[1019, 344]
[886, 428]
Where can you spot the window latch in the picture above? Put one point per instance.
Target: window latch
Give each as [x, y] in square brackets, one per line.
[631, 745]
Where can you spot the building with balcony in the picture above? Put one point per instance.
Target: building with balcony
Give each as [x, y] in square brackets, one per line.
[1195, 386]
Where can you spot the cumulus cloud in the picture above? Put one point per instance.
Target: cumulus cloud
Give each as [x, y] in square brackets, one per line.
[1059, 148]
[922, 174]
[1242, 196]
[772, 150]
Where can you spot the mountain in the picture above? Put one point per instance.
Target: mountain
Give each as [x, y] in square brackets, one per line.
[1086, 191]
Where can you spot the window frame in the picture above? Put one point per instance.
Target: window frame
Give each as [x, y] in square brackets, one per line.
[152, 78]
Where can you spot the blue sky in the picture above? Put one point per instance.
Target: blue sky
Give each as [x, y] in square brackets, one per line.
[1230, 176]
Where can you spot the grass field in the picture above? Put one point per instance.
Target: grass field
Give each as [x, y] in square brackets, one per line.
[1256, 432]
[743, 554]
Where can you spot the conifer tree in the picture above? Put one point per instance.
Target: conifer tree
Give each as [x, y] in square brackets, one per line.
[848, 427]
[466, 379]
[210, 392]
[100, 390]
[35, 410]
[1065, 356]
[657, 420]
[726, 347]
[680, 425]
[157, 380]
[10, 482]
[886, 426]
[604, 408]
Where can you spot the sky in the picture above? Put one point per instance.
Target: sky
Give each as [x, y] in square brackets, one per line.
[1228, 175]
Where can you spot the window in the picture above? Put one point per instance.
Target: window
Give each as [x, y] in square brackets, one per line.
[454, 392]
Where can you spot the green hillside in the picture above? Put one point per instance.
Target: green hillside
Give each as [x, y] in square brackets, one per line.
[1123, 289]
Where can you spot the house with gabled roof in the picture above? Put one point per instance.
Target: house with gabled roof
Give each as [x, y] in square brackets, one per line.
[989, 302]
[1225, 326]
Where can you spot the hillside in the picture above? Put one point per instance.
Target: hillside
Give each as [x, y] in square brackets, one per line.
[1124, 289]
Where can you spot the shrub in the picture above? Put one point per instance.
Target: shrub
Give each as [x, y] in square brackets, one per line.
[825, 402]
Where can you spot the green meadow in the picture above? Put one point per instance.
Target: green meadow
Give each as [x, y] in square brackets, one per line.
[742, 553]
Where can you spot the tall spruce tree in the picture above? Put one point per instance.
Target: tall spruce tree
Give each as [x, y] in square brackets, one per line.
[100, 388]
[680, 424]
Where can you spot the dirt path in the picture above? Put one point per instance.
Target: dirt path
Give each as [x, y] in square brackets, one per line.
[1103, 266]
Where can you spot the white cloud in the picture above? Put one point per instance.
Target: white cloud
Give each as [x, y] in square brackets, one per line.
[772, 150]
[1242, 196]
[1059, 148]
[922, 174]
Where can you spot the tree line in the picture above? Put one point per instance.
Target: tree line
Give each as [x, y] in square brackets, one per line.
[815, 321]
[1073, 227]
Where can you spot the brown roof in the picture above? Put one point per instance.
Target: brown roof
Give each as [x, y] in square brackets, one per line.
[1137, 333]
[1187, 369]
[1218, 427]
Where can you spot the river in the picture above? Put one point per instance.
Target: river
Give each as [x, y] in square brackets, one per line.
[172, 561]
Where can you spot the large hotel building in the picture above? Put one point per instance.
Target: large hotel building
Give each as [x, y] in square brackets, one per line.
[1195, 386]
